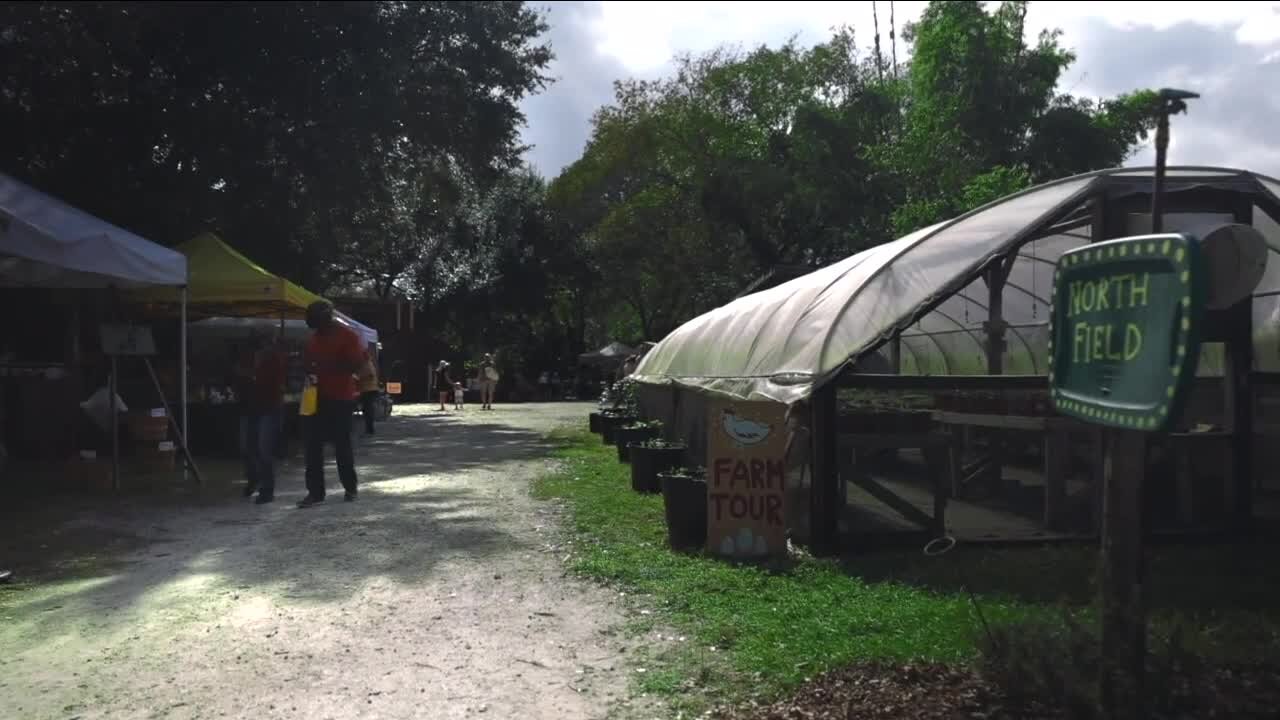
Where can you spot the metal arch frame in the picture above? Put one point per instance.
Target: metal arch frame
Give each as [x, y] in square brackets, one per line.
[1021, 339]
[941, 352]
[1064, 211]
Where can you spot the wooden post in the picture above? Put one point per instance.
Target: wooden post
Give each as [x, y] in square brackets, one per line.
[1057, 461]
[995, 324]
[1239, 413]
[895, 354]
[825, 509]
[1124, 625]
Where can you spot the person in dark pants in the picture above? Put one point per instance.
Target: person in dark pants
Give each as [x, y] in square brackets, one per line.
[261, 392]
[333, 356]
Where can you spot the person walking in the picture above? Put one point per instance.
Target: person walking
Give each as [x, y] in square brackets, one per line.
[333, 356]
[487, 377]
[261, 395]
[369, 392]
[443, 383]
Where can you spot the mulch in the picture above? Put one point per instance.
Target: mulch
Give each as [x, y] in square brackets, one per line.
[943, 692]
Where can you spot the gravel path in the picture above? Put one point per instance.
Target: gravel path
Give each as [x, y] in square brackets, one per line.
[439, 594]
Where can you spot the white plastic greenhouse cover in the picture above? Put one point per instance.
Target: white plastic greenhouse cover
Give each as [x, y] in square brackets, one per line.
[779, 343]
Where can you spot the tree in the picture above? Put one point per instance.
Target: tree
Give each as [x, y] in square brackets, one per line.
[977, 89]
[312, 135]
[739, 161]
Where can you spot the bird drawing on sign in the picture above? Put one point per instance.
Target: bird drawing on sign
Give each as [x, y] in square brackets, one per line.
[742, 431]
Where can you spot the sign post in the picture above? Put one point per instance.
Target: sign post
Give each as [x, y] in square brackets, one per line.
[1124, 345]
[746, 479]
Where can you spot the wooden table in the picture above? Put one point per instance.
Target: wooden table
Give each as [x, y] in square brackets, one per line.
[936, 448]
[1056, 432]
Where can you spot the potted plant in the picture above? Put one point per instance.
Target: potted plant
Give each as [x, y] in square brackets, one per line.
[620, 408]
[684, 500]
[593, 421]
[650, 457]
[633, 433]
[610, 423]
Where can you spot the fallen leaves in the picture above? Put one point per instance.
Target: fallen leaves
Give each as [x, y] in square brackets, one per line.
[927, 691]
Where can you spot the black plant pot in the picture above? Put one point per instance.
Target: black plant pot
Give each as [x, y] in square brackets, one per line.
[593, 421]
[623, 437]
[647, 462]
[609, 425]
[685, 501]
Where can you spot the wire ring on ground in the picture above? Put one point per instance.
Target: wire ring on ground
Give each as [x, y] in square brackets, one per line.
[939, 546]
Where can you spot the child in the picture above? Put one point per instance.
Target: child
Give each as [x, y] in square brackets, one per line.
[458, 395]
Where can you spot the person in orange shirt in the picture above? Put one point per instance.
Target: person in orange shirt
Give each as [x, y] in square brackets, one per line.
[333, 356]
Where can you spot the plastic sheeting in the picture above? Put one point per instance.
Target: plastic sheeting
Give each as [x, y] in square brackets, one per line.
[777, 344]
[45, 242]
[225, 282]
[241, 327]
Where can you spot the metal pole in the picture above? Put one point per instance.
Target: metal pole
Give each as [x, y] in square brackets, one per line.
[182, 381]
[1171, 103]
[115, 429]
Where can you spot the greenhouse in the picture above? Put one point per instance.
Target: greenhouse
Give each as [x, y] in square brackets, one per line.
[958, 314]
[930, 289]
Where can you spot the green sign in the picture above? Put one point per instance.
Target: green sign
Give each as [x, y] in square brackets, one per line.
[1124, 331]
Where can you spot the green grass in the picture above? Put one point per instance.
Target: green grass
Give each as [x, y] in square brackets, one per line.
[752, 631]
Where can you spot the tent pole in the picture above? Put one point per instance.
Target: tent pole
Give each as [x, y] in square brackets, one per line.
[182, 380]
[115, 428]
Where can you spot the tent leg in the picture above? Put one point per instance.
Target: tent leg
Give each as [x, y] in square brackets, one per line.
[182, 392]
[112, 387]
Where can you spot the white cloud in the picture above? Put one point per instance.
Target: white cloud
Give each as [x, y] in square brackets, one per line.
[1228, 51]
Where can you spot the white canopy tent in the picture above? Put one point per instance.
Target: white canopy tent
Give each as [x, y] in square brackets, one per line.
[236, 327]
[46, 243]
[927, 288]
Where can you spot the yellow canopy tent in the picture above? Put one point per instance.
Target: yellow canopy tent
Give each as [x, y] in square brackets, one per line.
[225, 283]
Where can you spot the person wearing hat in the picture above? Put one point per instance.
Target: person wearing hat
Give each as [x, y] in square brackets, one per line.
[443, 383]
[333, 356]
[487, 377]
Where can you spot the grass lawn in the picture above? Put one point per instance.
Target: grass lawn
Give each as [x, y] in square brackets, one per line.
[754, 633]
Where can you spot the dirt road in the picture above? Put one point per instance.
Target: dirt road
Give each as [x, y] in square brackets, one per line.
[438, 594]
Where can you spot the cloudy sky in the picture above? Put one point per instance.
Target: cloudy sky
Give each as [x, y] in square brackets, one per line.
[1229, 52]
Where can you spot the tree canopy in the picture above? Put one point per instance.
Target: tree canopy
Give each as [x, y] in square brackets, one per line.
[742, 161]
[377, 145]
[329, 140]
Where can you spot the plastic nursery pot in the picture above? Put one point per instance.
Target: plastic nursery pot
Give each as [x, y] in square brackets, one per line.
[593, 421]
[609, 425]
[631, 435]
[648, 461]
[684, 500]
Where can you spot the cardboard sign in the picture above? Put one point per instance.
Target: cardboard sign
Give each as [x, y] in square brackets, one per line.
[1124, 335]
[746, 479]
[393, 388]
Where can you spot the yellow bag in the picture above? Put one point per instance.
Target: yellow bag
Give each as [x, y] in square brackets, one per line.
[310, 398]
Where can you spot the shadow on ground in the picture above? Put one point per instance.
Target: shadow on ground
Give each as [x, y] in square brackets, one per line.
[431, 489]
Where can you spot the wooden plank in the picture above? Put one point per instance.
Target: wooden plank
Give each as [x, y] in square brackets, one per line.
[941, 470]
[908, 511]
[861, 441]
[1238, 411]
[1123, 607]
[1057, 458]
[956, 452]
[1001, 422]
[943, 383]
[1183, 484]
[825, 505]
